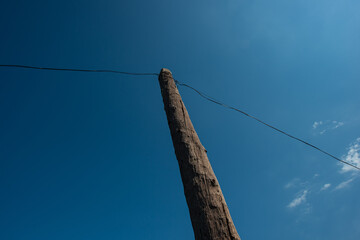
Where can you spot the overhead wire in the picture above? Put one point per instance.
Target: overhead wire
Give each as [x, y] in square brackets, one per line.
[211, 99]
[203, 95]
[81, 70]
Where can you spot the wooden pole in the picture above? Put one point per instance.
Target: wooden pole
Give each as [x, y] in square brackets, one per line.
[209, 213]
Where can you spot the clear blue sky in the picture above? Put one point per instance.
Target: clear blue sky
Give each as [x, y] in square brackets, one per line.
[89, 156]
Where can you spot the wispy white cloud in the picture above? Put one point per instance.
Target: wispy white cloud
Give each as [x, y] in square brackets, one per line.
[301, 198]
[352, 156]
[344, 184]
[322, 127]
[326, 186]
[292, 183]
[337, 124]
[313, 185]
[316, 124]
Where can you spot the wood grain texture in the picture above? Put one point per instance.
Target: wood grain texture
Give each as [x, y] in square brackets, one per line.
[209, 213]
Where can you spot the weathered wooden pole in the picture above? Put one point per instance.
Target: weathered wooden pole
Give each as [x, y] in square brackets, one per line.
[209, 213]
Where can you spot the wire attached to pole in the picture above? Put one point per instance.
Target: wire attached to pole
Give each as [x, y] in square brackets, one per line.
[203, 95]
[81, 70]
[211, 99]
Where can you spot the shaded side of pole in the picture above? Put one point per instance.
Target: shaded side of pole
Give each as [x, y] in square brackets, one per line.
[209, 213]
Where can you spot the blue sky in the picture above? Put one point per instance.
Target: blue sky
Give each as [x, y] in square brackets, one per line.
[89, 156]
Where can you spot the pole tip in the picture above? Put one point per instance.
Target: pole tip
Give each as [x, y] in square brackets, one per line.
[165, 70]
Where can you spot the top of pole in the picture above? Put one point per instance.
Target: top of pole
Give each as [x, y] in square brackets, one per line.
[163, 70]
